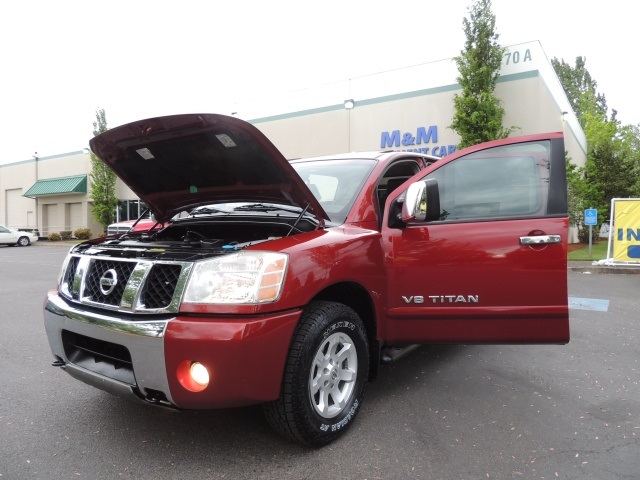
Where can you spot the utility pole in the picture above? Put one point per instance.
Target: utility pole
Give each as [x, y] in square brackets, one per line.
[35, 156]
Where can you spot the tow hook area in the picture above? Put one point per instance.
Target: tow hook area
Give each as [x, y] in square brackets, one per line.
[157, 398]
[58, 362]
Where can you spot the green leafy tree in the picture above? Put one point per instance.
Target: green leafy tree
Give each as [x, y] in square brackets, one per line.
[580, 87]
[478, 112]
[613, 151]
[102, 180]
[578, 193]
[630, 149]
[607, 169]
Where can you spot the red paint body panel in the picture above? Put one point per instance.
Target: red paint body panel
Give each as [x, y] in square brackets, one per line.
[483, 259]
[317, 260]
[220, 169]
[244, 355]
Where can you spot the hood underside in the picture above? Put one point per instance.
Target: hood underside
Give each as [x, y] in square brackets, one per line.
[179, 162]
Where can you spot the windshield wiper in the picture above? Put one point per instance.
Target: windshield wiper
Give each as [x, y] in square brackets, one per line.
[261, 207]
[206, 210]
[125, 235]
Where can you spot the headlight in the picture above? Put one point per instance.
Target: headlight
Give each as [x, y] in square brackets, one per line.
[63, 269]
[244, 277]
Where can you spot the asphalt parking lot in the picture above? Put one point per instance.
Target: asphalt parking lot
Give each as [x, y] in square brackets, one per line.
[443, 412]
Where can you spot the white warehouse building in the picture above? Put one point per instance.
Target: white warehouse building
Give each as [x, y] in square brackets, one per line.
[404, 109]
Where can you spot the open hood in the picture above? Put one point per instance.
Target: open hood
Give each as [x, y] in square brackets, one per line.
[178, 162]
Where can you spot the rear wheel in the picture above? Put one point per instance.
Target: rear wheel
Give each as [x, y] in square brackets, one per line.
[325, 376]
[24, 241]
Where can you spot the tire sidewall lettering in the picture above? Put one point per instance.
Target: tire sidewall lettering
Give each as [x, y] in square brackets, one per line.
[335, 326]
[342, 423]
[345, 418]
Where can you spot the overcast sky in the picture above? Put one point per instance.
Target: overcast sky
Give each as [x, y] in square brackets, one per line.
[137, 59]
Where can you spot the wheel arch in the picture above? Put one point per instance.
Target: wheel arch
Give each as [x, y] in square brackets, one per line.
[356, 297]
[21, 243]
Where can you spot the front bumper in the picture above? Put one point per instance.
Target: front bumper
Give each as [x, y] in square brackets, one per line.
[139, 359]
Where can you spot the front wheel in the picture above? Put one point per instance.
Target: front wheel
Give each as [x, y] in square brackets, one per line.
[325, 376]
[24, 241]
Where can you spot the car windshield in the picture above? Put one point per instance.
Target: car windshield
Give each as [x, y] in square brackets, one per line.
[335, 183]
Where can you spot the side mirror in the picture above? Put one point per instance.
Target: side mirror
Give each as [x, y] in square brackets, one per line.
[422, 202]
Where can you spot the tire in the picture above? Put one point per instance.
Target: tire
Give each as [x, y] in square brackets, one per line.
[24, 241]
[325, 376]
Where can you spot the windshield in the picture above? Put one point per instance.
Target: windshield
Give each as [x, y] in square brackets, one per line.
[335, 183]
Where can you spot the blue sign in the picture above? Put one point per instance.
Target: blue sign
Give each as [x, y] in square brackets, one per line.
[414, 141]
[591, 216]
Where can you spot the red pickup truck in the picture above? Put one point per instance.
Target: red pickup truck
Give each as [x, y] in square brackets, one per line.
[289, 283]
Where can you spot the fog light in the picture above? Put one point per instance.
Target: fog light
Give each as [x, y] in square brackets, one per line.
[199, 374]
[193, 376]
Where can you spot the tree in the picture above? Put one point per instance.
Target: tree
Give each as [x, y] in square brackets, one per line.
[102, 180]
[478, 112]
[630, 149]
[579, 87]
[577, 194]
[607, 168]
[613, 151]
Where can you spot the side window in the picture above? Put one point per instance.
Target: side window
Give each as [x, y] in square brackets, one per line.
[4, 230]
[393, 177]
[508, 181]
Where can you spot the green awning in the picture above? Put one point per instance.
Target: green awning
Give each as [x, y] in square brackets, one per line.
[58, 186]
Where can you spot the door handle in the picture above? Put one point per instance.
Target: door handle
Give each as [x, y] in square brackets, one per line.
[540, 239]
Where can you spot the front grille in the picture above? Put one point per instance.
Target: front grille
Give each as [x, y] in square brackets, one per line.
[106, 358]
[160, 286]
[120, 271]
[128, 285]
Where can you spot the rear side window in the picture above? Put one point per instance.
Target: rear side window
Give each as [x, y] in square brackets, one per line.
[508, 181]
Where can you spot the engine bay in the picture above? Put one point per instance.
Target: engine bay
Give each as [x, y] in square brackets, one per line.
[194, 239]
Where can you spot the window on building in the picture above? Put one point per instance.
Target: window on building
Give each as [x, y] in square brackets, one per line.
[130, 210]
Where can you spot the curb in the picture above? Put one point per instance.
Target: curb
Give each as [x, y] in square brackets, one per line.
[588, 267]
[47, 243]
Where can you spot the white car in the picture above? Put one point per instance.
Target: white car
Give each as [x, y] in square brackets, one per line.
[11, 236]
